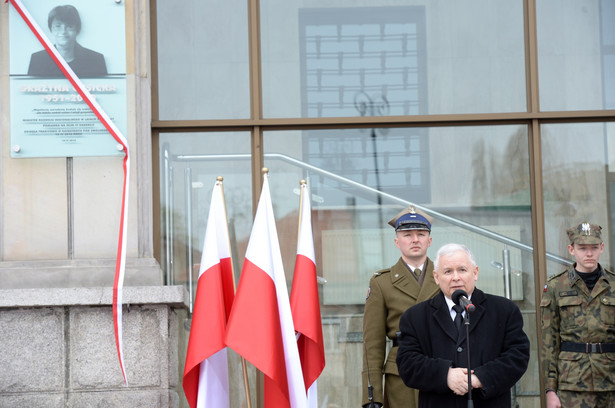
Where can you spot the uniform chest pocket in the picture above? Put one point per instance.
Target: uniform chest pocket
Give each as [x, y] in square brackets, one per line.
[607, 310]
[570, 311]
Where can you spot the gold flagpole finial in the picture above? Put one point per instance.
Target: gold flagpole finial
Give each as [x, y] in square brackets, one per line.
[219, 178]
[265, 170]
[302, 182]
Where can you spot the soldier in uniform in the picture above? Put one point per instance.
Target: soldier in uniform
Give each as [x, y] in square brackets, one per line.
[578, 327]
[391, 292]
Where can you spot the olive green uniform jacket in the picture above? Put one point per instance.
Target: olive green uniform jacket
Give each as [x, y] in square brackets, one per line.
[570, 312]
[391, 292]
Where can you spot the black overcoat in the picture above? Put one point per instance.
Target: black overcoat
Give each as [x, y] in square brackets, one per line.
[430, 345]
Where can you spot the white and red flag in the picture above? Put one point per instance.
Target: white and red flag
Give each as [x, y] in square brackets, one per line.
[206, 381]
[260, 327]
[304, 302]
[120, 264]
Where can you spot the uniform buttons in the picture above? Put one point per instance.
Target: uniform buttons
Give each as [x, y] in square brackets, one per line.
[396, 275]
[605, 301]
[459, 349]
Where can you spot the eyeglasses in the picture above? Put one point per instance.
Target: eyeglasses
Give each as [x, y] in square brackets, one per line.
[63, 27]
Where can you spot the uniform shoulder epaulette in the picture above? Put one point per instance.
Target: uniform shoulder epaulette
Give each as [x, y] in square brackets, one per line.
[608, 271]
[381, 271]
[557, 274]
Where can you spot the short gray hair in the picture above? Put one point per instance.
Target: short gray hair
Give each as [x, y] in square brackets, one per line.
[451, 248]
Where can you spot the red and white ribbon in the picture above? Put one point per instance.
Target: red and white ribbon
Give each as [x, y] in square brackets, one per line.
[118, 282]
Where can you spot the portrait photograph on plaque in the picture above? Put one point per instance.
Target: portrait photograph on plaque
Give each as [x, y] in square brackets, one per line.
[48, 117]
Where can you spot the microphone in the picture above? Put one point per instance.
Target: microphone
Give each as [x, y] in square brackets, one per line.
[460, 297]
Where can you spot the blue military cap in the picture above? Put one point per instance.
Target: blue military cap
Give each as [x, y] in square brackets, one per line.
[411, 219]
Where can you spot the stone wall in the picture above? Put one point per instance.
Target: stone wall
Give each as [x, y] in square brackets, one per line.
[57, 348]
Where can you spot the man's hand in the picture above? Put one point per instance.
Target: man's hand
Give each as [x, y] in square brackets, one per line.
[457, 380]
[475, 380]
[553, 400]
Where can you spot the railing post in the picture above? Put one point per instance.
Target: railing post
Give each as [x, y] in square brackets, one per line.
[188, 198]
[506, 269]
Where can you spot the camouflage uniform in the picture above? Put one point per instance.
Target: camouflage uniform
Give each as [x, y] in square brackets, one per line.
[578, 333]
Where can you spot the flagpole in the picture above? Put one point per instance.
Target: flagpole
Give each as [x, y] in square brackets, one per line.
[220, 181]
[244, 368]
[303, 185]
[260, 375]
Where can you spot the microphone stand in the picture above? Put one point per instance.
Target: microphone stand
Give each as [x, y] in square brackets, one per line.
[466, 323]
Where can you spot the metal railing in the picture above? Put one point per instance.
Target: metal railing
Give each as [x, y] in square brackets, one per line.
[168, 189]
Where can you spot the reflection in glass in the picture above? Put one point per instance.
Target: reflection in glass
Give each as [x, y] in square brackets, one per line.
[575, 55]
[473, 180]
[203, 60]
[578, 181]
[422, 57]
[350, 54]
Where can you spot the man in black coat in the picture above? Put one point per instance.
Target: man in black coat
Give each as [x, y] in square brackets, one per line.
[433, 355]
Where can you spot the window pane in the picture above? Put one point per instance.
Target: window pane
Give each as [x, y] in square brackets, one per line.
[473, 180]
[412, 58]
[579, 184]
[203, 70]
[607, 16]
[575, 54]
[189, 165]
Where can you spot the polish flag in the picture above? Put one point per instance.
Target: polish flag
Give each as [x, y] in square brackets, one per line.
[260, 327]
[105, 120]
[206, 370]
[305, 305]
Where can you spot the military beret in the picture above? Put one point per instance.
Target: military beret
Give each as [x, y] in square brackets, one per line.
[411, 219]
[585, 233]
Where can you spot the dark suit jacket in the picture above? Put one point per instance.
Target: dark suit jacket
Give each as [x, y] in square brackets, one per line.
[87, 63]
[430, 345]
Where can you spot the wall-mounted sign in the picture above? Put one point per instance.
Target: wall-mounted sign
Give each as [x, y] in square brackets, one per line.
[48, 118]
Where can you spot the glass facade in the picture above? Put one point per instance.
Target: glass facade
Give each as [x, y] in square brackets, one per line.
[421, 57]
[482, 201]
[463, 109]
[203, 60]
[576, 50]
